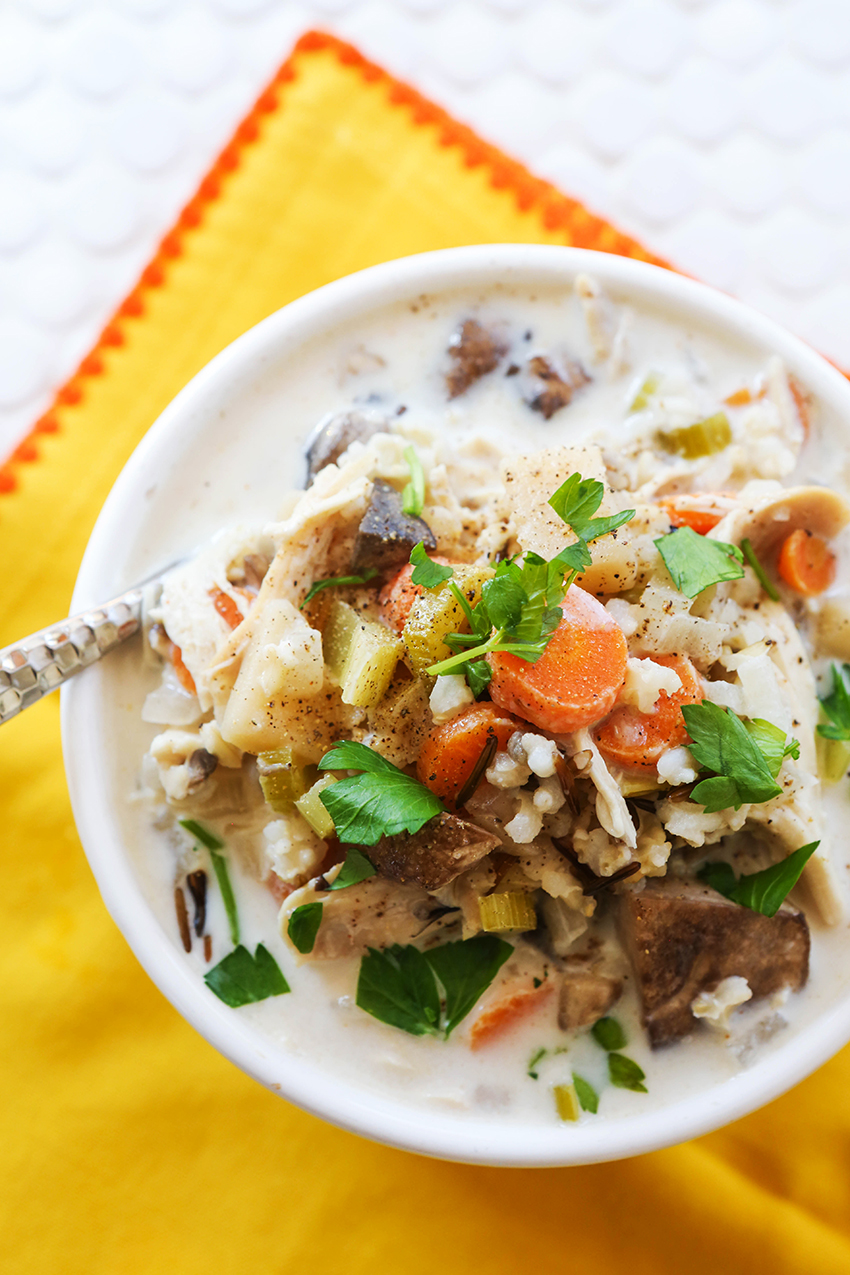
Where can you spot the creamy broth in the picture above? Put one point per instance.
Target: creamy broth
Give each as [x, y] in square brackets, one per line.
[395, 363]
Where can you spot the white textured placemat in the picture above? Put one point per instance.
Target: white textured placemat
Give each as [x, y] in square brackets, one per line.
[716, 131]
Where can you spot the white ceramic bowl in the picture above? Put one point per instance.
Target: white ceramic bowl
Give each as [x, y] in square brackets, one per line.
[198, 460]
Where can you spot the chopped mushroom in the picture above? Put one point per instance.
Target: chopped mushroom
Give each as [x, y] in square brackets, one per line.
[387, 534]
[553, 383]
[474, 351]
[585, 998]
[436, 854]
[335, 434]
[684, 939]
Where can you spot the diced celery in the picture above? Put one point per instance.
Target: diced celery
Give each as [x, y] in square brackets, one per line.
[566, 1101]
[438, 612]
[645, 393]
[313, 811]
[704, 438]
[512, 910]
[361, 654]
[284, 777]
[833, 759]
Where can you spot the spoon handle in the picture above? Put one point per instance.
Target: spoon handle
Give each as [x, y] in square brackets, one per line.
[38, 664]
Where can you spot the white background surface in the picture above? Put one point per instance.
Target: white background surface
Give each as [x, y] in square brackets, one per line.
[716, 131]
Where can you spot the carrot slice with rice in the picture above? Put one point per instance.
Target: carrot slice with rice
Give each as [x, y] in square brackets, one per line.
[448, 756]
[636, 740]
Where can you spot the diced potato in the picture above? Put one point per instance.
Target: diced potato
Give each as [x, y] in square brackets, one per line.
[566, 1101]
[507, 911]
[361, 654]
[311, 807]
[704, 438]
[437, 613]
[284, 777]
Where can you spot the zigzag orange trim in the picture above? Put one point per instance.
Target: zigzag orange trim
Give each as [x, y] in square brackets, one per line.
[556, 211]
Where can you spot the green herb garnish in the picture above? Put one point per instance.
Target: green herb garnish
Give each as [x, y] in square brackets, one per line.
[625, 1073]
[519, 608]
[356, 868]
[425, 572]
[202, 834]
[413, 495]
[744, 771]
[219, 864]
[763, 891]
[335, 582]
[696, 563]
[836, 705]
[303, 926]
[535, 1059]
[241, 979]
[379, 802]
[608, 1033]
[750, 555]
[587, 1096]
[399, 984]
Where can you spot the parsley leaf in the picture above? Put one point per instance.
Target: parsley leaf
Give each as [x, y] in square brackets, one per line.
[241, 979]
[722, 743]
[750, 555]
[303, 926]
[425, 572]
[608, 1033]
[763, 891]
[333, 582]
[478, 675]
[381, 801]
[397, 986]
[577, 499]
[696, 563]
[520, 609]
[588, 1098]
[625, 1073]
[356, 868]
[466, 969]
[771, 740]
[836, 705]
[413, 496]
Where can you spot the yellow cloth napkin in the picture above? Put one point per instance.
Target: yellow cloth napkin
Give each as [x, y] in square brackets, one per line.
[129, 1145]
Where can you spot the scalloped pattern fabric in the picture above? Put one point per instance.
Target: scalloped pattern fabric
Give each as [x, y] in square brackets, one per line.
[129, 1144]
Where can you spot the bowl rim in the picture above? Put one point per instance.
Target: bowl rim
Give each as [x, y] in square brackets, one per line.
[421, 1130]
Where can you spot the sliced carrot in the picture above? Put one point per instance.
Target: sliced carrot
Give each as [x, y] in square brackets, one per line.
[506, 1012]
[699, 520]
[576, 680]
[636, 740]
[740, 398]
[450, 752]
[184, 677]
[806, 562]
[399, 594]
[226, 607]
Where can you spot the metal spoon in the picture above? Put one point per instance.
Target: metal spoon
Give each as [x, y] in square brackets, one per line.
[38, 664]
